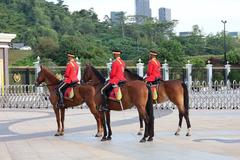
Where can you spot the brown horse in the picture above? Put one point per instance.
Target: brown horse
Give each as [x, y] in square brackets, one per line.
[82, 93]
[174, 90]
[135, 93]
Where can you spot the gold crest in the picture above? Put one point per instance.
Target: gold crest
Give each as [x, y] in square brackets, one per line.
[17, 77]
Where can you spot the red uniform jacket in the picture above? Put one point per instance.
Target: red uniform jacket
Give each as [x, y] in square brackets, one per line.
[154, 70]
[71, 72]
[117, 71]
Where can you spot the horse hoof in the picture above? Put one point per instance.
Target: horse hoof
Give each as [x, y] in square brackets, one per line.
[139, 133]
[188, 134]
[177, 134]
[143, 140]
[57, 134]
[61, 134]
[98, 135]
[104, 139]
[150, 139]
[109, 138]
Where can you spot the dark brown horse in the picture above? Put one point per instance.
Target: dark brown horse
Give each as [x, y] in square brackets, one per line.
[174, 90]
[135, 93]
[82, 93]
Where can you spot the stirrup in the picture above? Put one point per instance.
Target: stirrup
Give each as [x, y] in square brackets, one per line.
[103, 109]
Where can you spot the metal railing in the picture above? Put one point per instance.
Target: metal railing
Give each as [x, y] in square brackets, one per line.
[201, 96]
[216, 96]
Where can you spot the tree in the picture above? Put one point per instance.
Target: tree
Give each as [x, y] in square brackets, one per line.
[195, 43]
[233, 56]
[47, 47]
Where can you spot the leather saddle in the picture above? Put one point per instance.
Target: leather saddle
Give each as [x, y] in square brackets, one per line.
[116, 94]
[68, 92]
[154, 88]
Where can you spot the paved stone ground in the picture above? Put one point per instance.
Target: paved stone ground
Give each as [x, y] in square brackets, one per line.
[28, 135]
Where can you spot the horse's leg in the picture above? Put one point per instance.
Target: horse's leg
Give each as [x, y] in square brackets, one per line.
[103, 117]
[186, 113]
[144, 116]
[57, 114]
[151, 129]
[62, 121]
[97, 116]
[179, 124]
[109, 137]
[146, 132]
[186, 116]
[99, 126]
[150, 113]
[141, 126]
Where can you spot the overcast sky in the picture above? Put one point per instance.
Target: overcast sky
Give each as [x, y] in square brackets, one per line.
[206, 13]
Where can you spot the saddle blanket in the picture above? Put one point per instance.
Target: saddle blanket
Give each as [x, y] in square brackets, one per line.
[154, 92]
[69, 93]
[116, 94]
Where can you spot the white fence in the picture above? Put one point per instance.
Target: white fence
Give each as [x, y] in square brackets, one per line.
[201, 96]
[23, 96]
[218, 96]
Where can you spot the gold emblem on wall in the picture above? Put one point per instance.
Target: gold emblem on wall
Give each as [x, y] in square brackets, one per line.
[17, 77]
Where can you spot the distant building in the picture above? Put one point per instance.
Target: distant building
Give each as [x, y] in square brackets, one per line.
[142, 10]
[164, 14]
[233, 34]
[17, 45]
[26, 48]
[185, 34]
[117, 17]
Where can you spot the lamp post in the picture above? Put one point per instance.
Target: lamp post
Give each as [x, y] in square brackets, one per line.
[225, 48]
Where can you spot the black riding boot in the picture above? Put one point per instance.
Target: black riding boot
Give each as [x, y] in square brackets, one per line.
[104, 106]
[60, 101]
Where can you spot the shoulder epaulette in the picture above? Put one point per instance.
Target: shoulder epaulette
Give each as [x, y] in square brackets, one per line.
[154, 60]
[72, 64]
[119, 61]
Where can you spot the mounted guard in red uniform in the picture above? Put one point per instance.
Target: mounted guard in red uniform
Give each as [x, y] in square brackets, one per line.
[153, 74]
[116, 76]
[154, 68]
[70, 76]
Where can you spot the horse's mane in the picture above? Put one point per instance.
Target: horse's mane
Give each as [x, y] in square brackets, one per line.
[50, 74]
[98, 74]
[134, 75]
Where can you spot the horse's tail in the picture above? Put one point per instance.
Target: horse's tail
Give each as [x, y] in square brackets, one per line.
[149, 109]
[186, 97]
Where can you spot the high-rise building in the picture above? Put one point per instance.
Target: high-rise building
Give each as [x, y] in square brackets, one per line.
[185, 34]
[164, 14]
[117, 17]
[234, 34]
[143, 9]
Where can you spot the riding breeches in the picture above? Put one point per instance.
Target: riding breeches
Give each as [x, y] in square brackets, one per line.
[105, 92]
[106, 89]
[62, 86]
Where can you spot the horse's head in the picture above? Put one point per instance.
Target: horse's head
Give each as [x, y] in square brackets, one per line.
[130, 76]
[87, 76]
[41, 77]
[92, 75]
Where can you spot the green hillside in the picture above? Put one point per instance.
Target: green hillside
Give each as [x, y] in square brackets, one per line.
[18, 55]
[52, 31]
